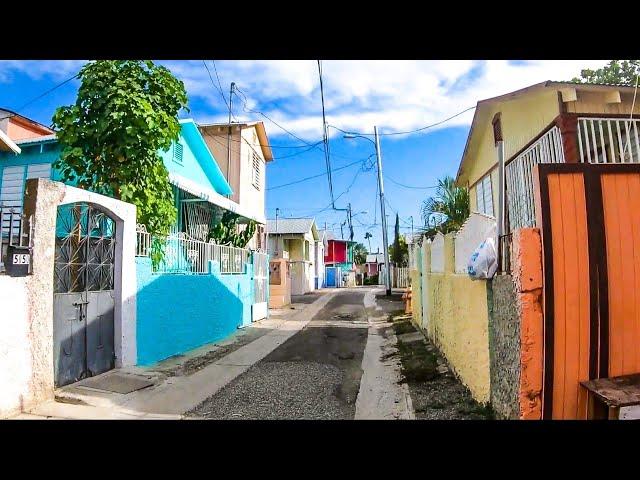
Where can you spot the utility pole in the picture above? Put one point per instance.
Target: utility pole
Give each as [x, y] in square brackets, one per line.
[276, 237]
[385, 243]
[233, 86]
[350, 224]
[341, 231]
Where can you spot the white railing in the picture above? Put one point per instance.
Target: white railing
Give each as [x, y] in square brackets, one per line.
[260, 276]
[519, 177]
[608, 140]
[143, 241]
[183, 254]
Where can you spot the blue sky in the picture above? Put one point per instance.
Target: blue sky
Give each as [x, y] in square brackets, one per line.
[394, 95]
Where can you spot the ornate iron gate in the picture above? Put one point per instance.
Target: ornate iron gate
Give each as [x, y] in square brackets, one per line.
[83, 300]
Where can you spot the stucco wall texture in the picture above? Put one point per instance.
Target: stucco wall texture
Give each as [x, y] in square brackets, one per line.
[177, 313]
[456, 319]
[516, 331]
[504, 347]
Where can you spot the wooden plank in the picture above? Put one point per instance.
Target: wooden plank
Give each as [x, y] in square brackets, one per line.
[621, 391]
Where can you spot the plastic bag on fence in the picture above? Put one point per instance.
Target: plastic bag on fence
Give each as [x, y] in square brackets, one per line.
[483, 263]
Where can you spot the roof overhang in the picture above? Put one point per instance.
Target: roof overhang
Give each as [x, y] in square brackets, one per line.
[8, 145]
[260, 130]
[482, 107]
[213, 197]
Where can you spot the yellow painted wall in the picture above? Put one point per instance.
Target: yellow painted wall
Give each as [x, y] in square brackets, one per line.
[522, 117]
[458, 323]
[595, 102]
[416, 298]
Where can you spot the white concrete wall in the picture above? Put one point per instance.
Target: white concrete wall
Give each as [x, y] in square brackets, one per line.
[26, 318]
[15, 349]
[475, 230]
[252, 199]
[437, 253]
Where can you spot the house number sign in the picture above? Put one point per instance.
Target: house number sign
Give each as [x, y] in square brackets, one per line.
[21, 259]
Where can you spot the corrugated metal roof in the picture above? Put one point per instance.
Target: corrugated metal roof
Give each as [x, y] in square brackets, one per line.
[43, 138]
[290, 225]
[375, 258]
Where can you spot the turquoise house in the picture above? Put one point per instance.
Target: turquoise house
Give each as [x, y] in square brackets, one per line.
[179, 311]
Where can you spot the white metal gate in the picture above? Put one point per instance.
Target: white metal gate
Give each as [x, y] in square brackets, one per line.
[261, 284]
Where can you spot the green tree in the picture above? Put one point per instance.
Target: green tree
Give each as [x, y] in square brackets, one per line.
[226, 231]
[359, 254]
[396, 256]
[400, 254]
[447, 210]
[367, 237]
[126, 112]
[622, 72]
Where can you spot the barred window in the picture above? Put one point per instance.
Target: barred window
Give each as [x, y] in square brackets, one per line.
[484, 195]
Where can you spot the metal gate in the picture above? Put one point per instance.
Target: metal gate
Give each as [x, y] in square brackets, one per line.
[261, 285]
[83, 299]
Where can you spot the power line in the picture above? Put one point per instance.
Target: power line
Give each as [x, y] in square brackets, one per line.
[325, 136]
[47, 92]
[219, 86]
[408, 131]
[247, 109]
[313, 176]
[407, 186]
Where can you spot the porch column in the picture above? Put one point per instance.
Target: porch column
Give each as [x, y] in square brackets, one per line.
[568, 125]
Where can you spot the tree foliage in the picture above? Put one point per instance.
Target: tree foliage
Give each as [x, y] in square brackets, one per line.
[396, 256]
[399, 253]
[622, 72]
[226, 231]
[125, 113]
[447, 210]
[359, 254]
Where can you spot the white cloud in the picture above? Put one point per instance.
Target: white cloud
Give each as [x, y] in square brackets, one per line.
[395, 95]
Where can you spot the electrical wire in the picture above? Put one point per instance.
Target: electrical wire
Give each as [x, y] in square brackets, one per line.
[633, 105]
[47, 92]
[325, 136]
[247, 109]
[313, 176]
[219, 86]
[407, 186]
[408, 131]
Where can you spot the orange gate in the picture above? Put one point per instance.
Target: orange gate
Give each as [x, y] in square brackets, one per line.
[590, 223]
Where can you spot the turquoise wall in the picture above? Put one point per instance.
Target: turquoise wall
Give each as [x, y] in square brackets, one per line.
[176, 313]
[189, 168]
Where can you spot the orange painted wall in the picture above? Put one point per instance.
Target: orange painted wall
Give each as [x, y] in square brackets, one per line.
[571, 319]
[621, 203]
[17, 130]
[527, 276]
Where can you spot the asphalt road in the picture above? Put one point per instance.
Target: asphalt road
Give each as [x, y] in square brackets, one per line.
[315, 375]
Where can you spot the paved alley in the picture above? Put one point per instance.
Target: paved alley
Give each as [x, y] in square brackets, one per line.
[314, 375]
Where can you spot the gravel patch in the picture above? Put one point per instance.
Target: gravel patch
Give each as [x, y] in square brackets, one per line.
[280, 391]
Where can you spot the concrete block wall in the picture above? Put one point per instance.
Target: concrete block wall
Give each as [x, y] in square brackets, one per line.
[516, 331]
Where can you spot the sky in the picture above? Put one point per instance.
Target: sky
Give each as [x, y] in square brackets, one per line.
[394, 95]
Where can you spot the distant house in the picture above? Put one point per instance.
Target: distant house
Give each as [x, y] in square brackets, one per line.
[244, 167]
[295, 239]
[373, 263]
[340, 268]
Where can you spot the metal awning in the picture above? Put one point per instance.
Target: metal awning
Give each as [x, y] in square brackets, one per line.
[212, 197]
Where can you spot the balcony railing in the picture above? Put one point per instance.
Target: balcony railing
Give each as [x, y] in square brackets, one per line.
[519, 177]
[179, 253]
[608, 140]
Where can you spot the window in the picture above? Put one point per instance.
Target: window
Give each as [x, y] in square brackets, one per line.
[177, 152]
[484, 195]
[256, 170]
